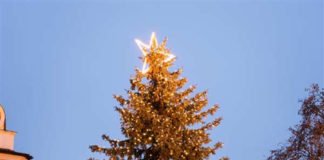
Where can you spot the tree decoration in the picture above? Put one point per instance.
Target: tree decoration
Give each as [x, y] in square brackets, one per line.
[145, 49]
[159, 118]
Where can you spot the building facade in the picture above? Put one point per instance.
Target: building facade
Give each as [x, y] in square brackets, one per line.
[7, 138]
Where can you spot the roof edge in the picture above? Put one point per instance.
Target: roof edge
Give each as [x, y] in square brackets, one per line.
[7, 151]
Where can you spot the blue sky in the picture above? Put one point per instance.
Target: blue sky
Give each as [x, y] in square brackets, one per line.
[61, 62]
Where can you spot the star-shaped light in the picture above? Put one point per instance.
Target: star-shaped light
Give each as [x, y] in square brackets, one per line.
[145, 49]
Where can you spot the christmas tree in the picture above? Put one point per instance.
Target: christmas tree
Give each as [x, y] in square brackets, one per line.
[160, 118]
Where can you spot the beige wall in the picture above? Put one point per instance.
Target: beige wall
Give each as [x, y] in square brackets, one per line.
[2, 118]
[4, 156]
[7, 139]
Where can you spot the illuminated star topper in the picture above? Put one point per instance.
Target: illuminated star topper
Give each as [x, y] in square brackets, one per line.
[145, 49]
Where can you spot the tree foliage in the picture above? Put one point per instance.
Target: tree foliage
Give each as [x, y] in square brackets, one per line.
[307, 140]
[160, 118]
